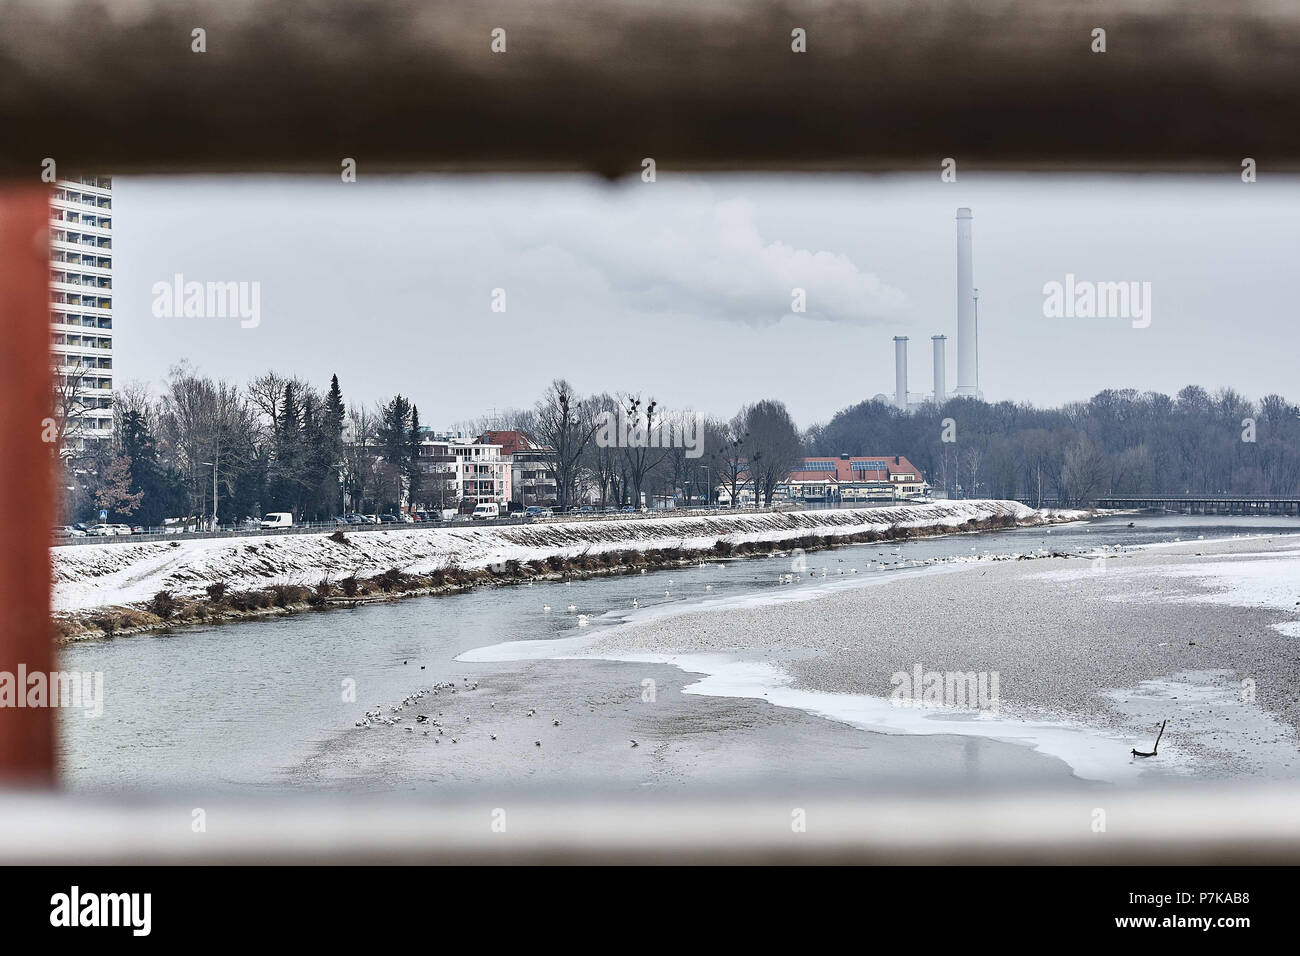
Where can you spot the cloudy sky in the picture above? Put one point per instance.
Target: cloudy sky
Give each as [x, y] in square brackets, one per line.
[681, 289]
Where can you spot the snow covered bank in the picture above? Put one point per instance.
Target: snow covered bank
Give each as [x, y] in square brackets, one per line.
[102, 575]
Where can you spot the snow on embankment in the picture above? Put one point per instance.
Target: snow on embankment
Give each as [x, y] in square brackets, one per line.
[98, 575]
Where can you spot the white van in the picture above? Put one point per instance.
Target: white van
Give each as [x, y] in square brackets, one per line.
[486, 512]
[277, 519]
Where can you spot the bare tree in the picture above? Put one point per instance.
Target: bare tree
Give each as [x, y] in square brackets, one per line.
[732, 462]
[359, 451]
[1085, 470]
[775, 446]
[207, 428]
[645, 451]
[605, 462]
[565, 425]
[973, 456]
[70, 406]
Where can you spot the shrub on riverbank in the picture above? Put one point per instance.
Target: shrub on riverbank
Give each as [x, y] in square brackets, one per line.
[162, 605]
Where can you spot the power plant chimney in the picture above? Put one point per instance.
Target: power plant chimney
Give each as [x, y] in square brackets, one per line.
[940, 368]
[900, 371]
[968, 377]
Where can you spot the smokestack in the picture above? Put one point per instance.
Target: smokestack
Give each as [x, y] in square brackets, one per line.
[968, 377]
[940, 368]
[900, 371]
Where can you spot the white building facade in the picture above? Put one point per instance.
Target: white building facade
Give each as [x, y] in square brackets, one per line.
[458, 470]
[81, 304]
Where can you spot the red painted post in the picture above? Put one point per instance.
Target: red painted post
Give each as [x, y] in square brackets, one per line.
[26, 483]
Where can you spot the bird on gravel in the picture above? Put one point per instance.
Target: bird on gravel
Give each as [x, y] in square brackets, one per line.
[555, 723]
[635, 744]
[537, 743]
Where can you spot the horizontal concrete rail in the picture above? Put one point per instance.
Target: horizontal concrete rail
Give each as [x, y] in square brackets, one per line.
[1241, 825]
[599, 85]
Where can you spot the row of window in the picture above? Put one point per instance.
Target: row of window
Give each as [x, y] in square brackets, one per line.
[100, 182]
[87, 382]
[83, 361]
[80, 341]
[86, 321]
[78, 259]
[81, 218]
[79, 238]
[85, 301]
[83, 199]
[80, 278]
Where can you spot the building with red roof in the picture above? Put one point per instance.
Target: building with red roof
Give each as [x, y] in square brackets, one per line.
[855, 478]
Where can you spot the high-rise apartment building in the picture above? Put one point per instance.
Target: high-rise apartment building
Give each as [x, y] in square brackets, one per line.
[81, 306]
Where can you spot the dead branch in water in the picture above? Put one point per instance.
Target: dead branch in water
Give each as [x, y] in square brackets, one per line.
[1156, 748]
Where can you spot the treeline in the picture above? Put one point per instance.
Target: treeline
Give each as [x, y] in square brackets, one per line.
[276, 444]
[675, 455]
[281, 444]
[1120, 442]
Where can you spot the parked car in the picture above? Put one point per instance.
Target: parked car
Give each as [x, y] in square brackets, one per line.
[389, 519]
[536, 511]
[486, 512]
[70, 531]
[627, 510]
[277, 519]
[100, 531]
[407, 517]
[587, 510]
[611, 509]
[137, 529]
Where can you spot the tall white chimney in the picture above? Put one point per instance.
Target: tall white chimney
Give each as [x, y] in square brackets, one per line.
[940, 368]
[900, 371]
[968, 376]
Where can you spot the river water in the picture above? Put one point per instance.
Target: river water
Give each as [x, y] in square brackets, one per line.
[250, 705]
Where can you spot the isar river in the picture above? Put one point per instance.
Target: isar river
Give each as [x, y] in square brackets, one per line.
[270, 704]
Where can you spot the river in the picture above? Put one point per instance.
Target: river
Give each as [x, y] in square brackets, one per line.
[265, 704]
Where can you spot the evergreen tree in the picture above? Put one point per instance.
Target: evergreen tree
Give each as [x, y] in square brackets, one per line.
[285, 489]
[333, 438]
[394, 439]
[413, 474]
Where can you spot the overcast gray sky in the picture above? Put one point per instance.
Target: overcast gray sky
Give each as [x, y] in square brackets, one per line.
[681, 289]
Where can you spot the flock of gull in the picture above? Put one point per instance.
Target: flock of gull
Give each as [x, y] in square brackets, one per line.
[429, 723]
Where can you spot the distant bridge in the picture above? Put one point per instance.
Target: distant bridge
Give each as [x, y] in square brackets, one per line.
[1205, 505]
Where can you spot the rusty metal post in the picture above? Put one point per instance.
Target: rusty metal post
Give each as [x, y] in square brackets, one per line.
[26, 484]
